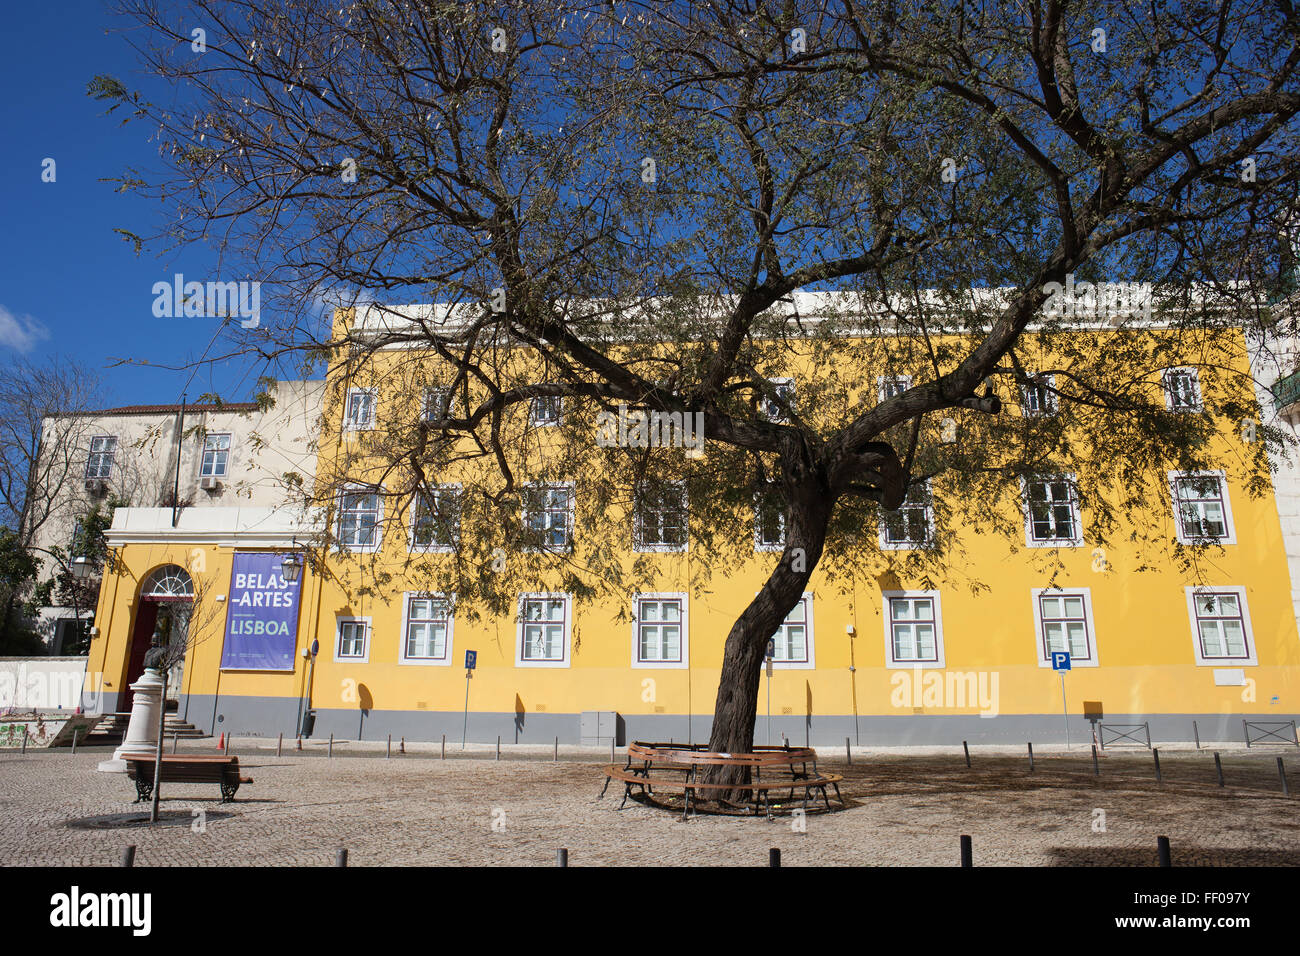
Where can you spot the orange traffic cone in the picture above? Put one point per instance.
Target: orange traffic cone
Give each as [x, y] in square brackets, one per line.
[221, 742]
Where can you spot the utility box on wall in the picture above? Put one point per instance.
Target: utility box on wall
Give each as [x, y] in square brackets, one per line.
[599, 727]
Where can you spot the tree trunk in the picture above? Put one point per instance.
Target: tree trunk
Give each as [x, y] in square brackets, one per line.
[158, 753]
[736, 710]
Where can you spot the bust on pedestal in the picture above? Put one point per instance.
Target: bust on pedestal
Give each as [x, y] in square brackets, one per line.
[142, 730]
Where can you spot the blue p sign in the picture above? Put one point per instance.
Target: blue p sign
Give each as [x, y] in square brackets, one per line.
[471, 658]
[1060, 660]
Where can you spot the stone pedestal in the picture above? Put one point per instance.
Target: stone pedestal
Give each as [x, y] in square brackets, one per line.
[142, 729]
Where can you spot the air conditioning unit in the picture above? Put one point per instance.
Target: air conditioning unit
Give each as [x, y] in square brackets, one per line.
[209, 483]
[96, 486]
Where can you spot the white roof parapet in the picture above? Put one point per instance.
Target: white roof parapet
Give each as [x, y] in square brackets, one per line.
[222, 527]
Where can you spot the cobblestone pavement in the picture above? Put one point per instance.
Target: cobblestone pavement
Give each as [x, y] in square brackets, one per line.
[474, 810]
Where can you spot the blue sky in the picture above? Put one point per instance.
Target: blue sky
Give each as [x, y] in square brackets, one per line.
[69, 286]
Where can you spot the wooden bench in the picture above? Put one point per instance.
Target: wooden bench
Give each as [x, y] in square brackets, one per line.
[186, 768]
[648, 763]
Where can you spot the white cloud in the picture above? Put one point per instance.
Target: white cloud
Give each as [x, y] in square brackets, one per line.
[20, 332]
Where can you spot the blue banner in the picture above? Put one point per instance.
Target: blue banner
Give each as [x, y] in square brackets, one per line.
[261, 614]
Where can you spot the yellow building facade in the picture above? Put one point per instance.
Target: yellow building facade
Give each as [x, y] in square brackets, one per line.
[880, 650]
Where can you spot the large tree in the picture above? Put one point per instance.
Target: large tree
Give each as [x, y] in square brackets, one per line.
[620, 202]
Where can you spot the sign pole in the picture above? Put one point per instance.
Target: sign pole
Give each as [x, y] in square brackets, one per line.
[771, 652]
[471, 658]
[1065, 713]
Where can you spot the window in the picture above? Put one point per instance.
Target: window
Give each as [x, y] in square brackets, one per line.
[1063, 622]
[659, 630]
[548, 512]
[353, 643]
[438, 403]
[359, 515]
[426, 630]
[1038, 397]
[660, 516]
[435, 519]
[99, 464]
[1052, 513]
[889, 386]
[792, 644]
[543, 639]
[912, 524]
[546, 410]
[359, 410]
[1182, 390]
[769, 520]
[913, 629]
[772, 411]
[1221, 625]
[1201, 507]
[216, 456]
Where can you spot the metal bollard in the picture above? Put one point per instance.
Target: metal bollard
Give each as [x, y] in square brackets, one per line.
[557, 749]
[774, 857]
[848, 751]
[228, 736]
[331, 750]
[444, 746]
[389, 752]
[967, 858]
[1155, 755]
[341, 857]
[74, 743]
[175, 741]
[279, 745]
[1281, 774]
[966, 748]
[24, 740]
[128, 856]
[1245, 732]
[1030, 745]
[401, 747]
[562, 857]
[1196, 733]
[498, 746]
[1096, 767]
[1162, 850]
[1218, 767]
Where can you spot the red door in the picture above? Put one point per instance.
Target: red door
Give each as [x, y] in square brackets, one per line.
[141, 640]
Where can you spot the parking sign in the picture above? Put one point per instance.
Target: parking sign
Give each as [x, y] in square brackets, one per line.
[471, 658]
[1060, 660]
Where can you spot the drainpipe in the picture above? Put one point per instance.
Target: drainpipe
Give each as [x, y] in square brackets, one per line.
[176, 487]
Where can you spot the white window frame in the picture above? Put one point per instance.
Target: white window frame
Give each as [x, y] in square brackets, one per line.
[1077, 518]
[888, 545]
[638, 539]
[407, 598]
[1251, 659]
[430, 392]
[785, 531]
[684, 643]
[1229, 525]
[771, 413]
[806, 599]
[884, 380]
[1195, 374]
[1090, 630]
[339, 621]
[368, 425]
[550, 486]
[354, 489]
[412, 547]
[1048, 385]
[203, 455]
[887, 613]
[112, 457]
[520, 660]
[537, 422]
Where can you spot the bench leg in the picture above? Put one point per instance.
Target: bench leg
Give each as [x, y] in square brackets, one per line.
[627, 792]
[143, 789]
[839, 796]
[825, 799]
[228, 791]
[604, 788]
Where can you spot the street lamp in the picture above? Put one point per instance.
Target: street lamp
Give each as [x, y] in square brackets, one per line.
[291, 566]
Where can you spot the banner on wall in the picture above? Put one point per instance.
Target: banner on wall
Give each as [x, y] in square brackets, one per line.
[261, 614]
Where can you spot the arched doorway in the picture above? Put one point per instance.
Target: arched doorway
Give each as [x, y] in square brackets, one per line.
[162, 617]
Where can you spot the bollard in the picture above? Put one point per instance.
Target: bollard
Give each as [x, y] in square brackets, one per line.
[1096, 768]
[1218, 767]
[341, 857]
[1196, 734]
[444, 746]
[175, 740]
[498, 746]
[966, 856]
[74, 743]
[279, 745]
[848, 751]
[331, 750]
[24, 740]
[557, 749]
[128, 856]
[1155, 754]
[228, 736]
[1162, 850]
[774, 857]
[967, 749]
[1245, 732]
[562, 857]
[1031, 756]
[401, 747]
[1281, 774]
[389, 752]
